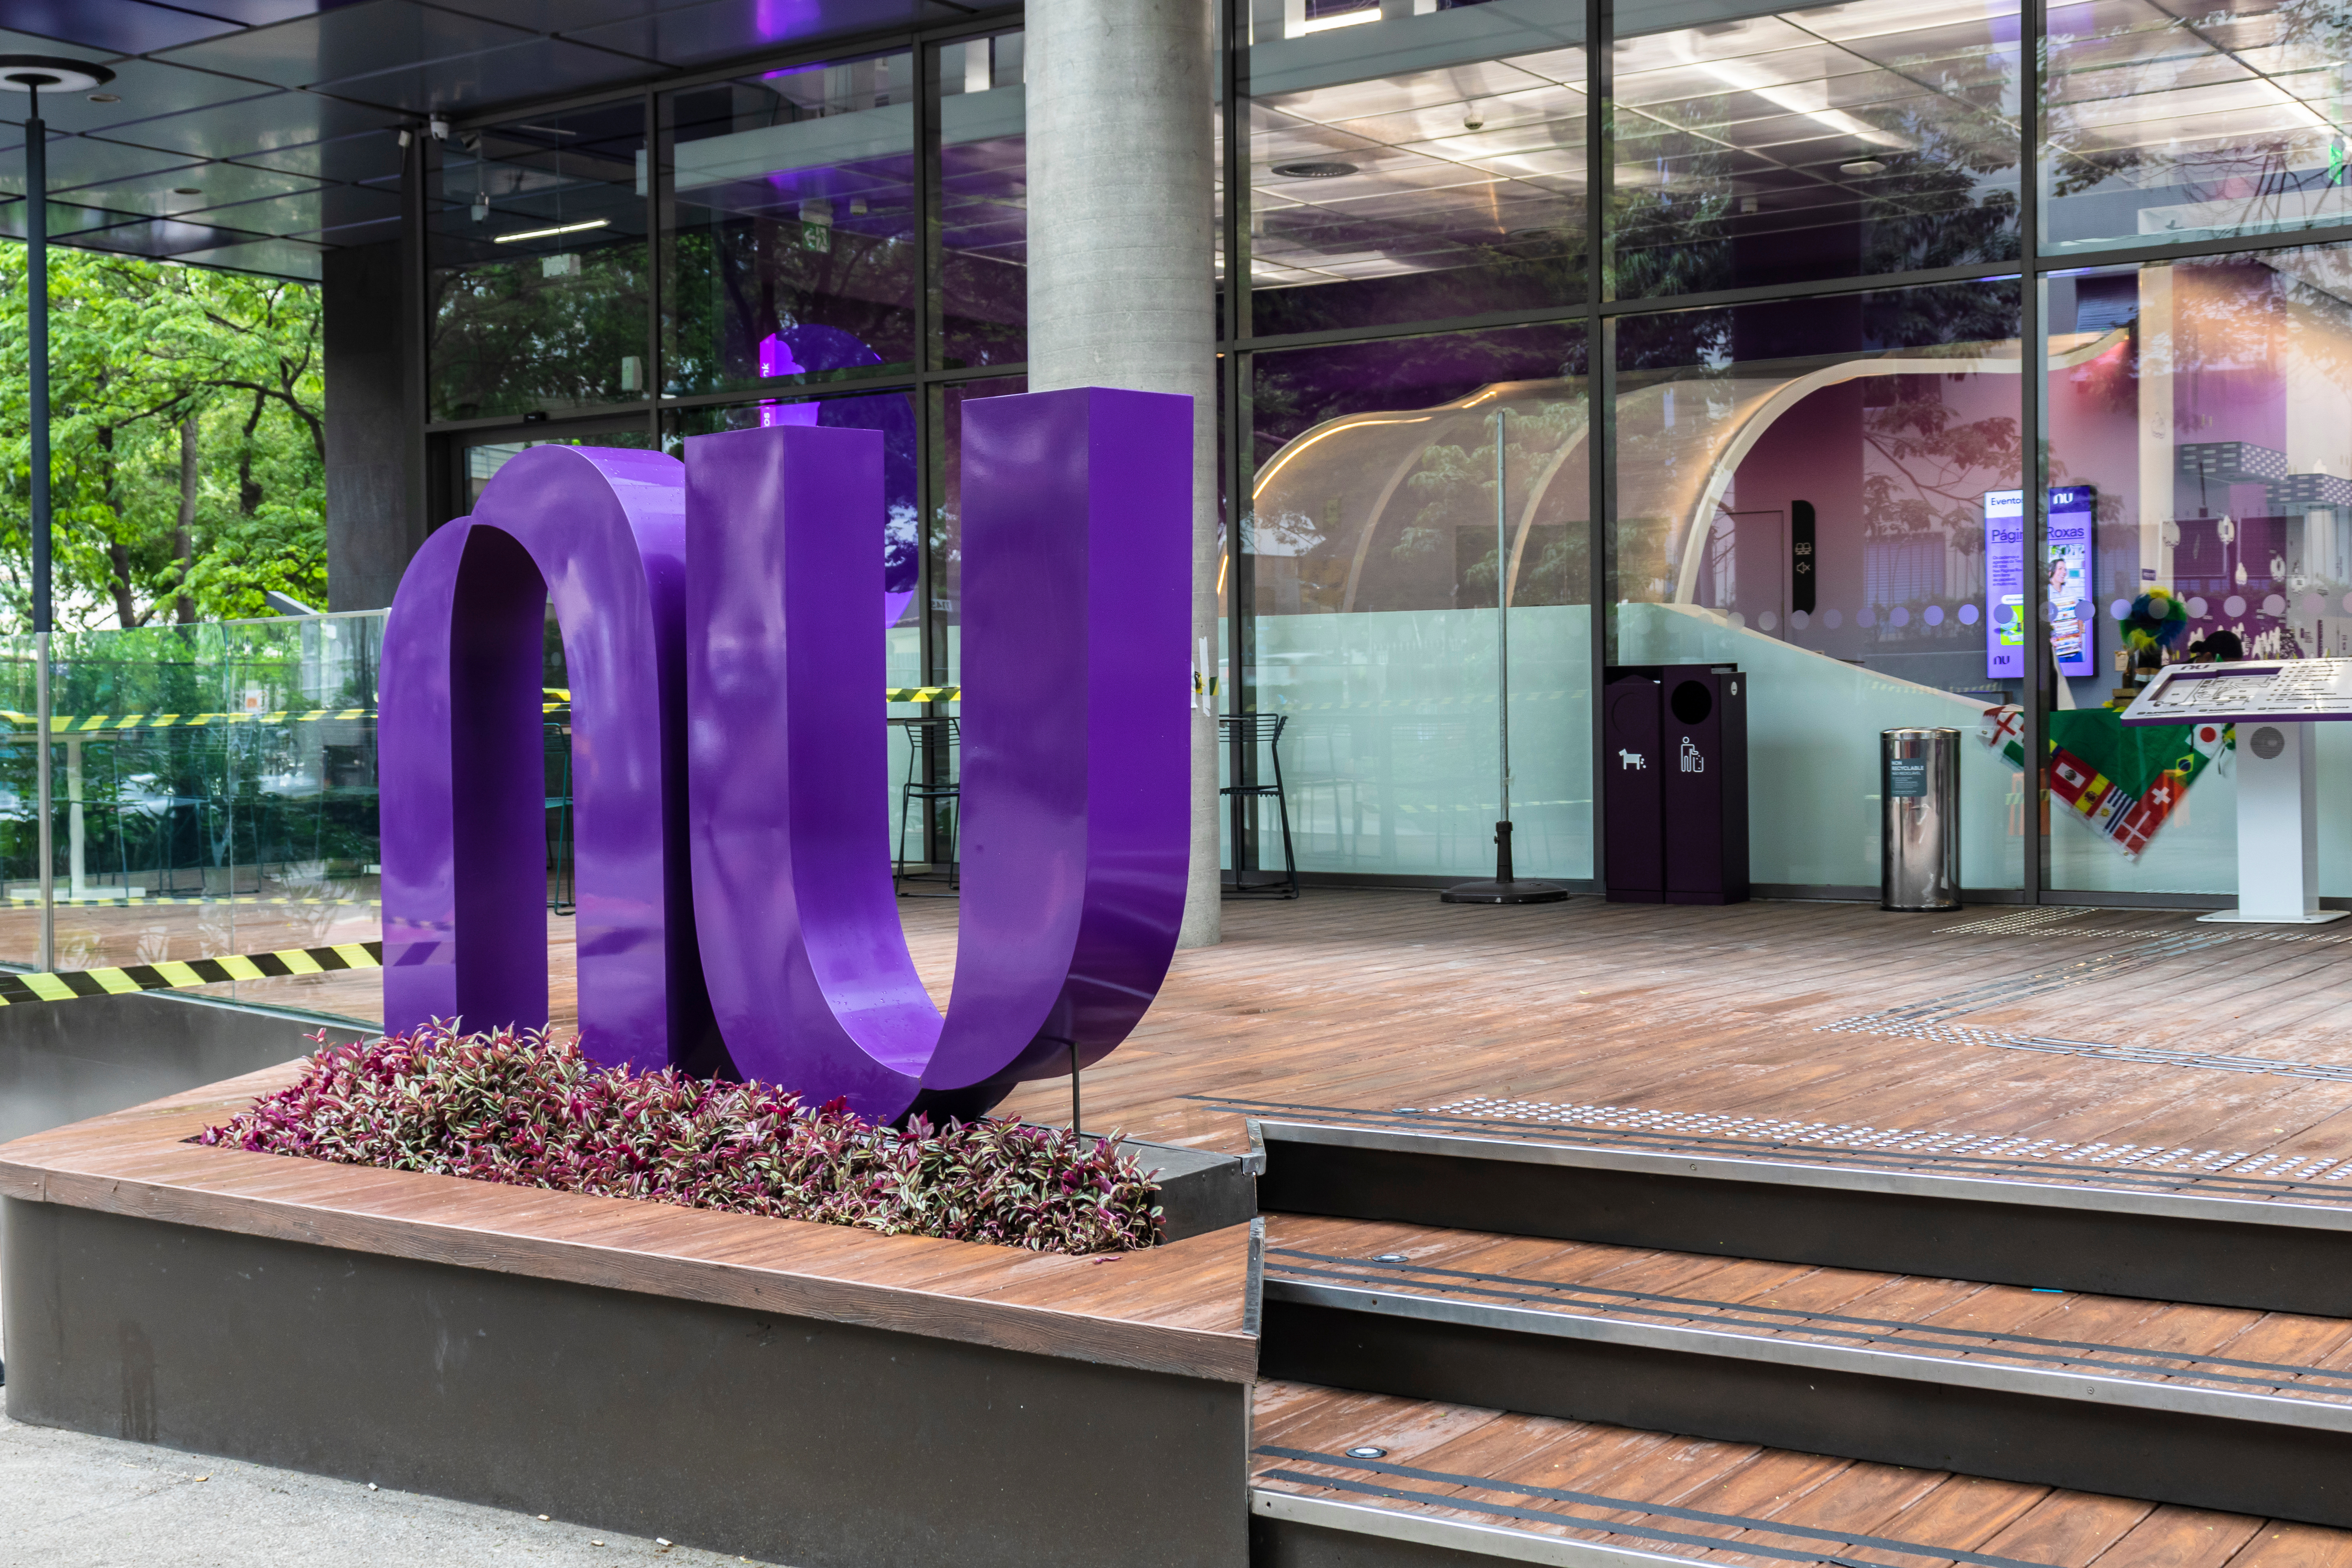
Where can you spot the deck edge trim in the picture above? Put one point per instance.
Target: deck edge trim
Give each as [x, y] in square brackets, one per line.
[2029, 1382]
[2280, 1213]
[1450, 1534]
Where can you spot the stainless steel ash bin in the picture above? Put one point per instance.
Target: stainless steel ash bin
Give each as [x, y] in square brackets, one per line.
[1919, 830]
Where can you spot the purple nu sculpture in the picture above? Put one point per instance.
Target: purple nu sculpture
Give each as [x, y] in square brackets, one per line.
[732, 775]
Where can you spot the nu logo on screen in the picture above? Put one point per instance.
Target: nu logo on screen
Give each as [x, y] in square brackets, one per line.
[730, 767]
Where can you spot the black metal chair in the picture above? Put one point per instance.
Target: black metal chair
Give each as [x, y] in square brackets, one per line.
[556, 745]
[918, 788]
[1245, 733]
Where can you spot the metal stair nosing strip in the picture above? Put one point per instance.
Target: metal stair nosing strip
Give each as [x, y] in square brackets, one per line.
[1371, 1530]
[2258, 1453]
[2157, 1238]
[1394, 1531]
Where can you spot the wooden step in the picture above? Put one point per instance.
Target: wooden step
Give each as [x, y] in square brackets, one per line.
[2176, 1225]
[1357, 1480]
[2209, 1406]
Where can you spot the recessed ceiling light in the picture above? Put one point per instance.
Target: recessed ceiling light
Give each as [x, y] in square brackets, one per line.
[1862, 166]
[51, 73]
[106, 97]
[1313, 171]
[187, 190]
[1367, 1451]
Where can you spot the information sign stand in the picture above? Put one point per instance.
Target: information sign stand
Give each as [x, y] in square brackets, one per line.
[2274, 703]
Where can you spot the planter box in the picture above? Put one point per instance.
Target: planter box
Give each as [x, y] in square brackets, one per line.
[790, 1392]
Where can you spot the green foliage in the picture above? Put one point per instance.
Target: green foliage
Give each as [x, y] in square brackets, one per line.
[152, 364]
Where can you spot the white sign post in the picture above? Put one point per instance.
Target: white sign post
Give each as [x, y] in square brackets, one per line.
[2274, 703]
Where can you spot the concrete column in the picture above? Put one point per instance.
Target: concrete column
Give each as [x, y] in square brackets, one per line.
[1122, 267]
[375, 479]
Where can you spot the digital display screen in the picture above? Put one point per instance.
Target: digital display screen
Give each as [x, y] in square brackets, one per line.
[2065, 580]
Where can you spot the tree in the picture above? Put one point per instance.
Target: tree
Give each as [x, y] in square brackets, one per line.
[187, 435]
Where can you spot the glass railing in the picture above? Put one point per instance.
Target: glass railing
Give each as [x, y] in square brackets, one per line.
[212, 793]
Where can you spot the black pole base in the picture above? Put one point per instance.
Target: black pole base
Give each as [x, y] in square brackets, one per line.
[1505, 889]
[1513, 892]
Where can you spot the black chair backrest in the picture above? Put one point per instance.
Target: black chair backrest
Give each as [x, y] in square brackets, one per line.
[1250, 729]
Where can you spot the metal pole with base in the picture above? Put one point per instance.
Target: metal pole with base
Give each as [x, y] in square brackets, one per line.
[29, 74]
[1505, 889]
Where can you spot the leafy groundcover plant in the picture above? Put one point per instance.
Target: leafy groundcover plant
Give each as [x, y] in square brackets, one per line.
[531, 1111]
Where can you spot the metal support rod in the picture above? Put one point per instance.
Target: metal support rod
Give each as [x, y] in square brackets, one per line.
[36, 334]
[47, 960]
[1074, 1086]
[1505, 889]
[1503, 639]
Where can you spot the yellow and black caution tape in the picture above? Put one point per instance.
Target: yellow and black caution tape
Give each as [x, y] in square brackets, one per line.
[101, 901]
[556, 700]
[18, 990]
[91, 723]
[558, 696]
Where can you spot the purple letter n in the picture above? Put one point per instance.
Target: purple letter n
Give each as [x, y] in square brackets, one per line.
[601, 533]
[1076, 597]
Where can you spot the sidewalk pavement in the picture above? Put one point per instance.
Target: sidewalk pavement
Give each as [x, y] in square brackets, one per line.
[99, 1502]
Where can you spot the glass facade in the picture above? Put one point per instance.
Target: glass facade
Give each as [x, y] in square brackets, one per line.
[1656, 331]
[536, 251]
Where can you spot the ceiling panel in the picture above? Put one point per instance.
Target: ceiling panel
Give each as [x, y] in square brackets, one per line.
[254, 126]
[372, 155]
[325, 206]
[120, 26]
[68, 221]
[167, 195]
[275, 258]
[528, 70]
[261, 13]
[567, 16]
[690, 34]
[78, 160]
[374, 233]
[348, 41]
[146, 90]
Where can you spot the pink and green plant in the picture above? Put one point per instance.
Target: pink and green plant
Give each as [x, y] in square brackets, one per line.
[528, 1109]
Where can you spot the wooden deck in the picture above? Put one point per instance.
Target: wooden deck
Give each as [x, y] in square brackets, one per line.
[2099, 1029]
[2216, 1047]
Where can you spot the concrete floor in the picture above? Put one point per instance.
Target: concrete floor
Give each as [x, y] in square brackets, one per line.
[97, 1502]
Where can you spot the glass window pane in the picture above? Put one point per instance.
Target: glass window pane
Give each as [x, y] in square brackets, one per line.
[946, 542]
[788, 231]
[537, 236]
[893, 415]
[1757, 148]
[983, 203]
[1376, 532]
[1885, 426]
[2165, 124]
[483, 459]
[1411, 167]
[2202, 409]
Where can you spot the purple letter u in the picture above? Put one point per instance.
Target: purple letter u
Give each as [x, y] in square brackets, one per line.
[1077, 604]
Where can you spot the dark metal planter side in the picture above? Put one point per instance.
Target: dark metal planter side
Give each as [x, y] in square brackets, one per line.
[781, 1438]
